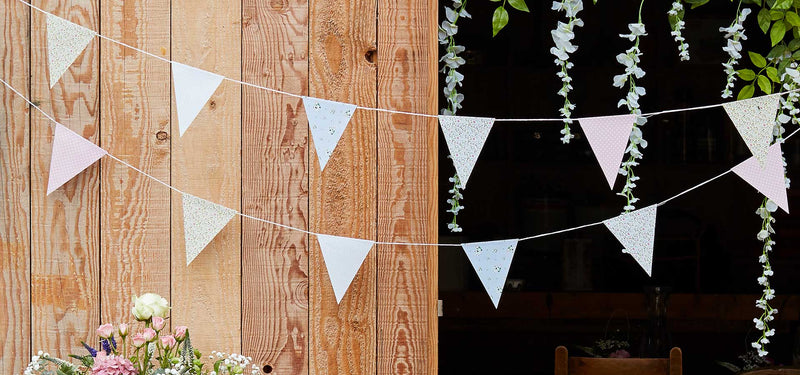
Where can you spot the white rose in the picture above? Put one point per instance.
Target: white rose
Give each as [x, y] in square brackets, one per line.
[149, 305]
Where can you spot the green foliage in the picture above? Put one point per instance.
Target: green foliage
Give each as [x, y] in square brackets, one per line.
[499, 19]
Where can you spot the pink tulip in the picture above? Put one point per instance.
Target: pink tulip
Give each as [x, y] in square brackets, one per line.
[138, 340]
[149, 334]
[168, 341]
[158, 323]
[123, 329]
[105, 331]
[180, 332]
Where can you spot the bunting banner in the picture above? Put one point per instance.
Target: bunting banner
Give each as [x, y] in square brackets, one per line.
[608, 136]
[465, 137]
[754, 119]
[327, 121]
[71, 155]
[65, 42]
[343, 257]
[202, 221]
[770, 180]
[491, 261]
[636, 231]
[193, 88]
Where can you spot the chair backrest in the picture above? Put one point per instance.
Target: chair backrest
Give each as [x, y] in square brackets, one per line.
[566, 365]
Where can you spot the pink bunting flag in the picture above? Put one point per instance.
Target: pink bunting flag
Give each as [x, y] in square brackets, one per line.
[608, 136]
[769, 180]
[636, 231]
[71, 155]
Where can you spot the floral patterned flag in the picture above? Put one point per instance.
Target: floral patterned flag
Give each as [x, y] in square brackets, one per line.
[193, 88]
[71, 155]
[343, 257]
[465, 137]
[770, 180]
[636, 231]
[491, 261]
[327, 121]
[608, 136]
[202, 221]
[754, 119]
[65, 42]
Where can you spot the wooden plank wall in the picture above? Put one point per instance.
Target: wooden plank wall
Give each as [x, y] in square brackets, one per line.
[72, 260]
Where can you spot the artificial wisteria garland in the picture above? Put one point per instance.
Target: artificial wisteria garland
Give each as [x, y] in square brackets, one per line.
[563, 35]
[734, 35]
[677, 24]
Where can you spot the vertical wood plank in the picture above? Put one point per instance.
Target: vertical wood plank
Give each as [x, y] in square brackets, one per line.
[342, 42]
[407, 172]
[275, 185]
[135, 107]
[206, 163]
[14, 190]
[65, 226]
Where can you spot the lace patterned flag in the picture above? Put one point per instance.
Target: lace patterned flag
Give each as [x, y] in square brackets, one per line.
[465, 137]
[343, 257]
[193, 88]
[608, 136]
[71, 155]
[491, 261]
[754, 119]
[636, 231]
[327, 121]
[65, 42]
[202, 221]
[769, 180]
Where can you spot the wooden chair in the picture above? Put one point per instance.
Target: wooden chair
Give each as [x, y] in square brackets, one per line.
[774, 371]
[566, 365]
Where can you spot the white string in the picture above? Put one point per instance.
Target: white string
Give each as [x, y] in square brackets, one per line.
[276, 91]
[53, 120]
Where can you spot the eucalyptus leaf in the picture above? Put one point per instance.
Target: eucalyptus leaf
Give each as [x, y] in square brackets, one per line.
[519, 5]
[746, 92]
[499, 20]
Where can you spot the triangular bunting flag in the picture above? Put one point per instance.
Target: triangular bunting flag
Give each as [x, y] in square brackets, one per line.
[65, 42]
[465, 137]
[491, 261]
[202, 221]
[343, 257]
[754, 119]
[636, 231]
[71, 155]
[327, 121]
[769, 180]
[608, 136]
[193, 88]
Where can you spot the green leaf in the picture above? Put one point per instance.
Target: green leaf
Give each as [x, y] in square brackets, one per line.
[777, 32]
[776, 51]
[793, 18]
[757, 59]
[776, 15]
[746, 92]
[764, 84]
[794, 45]
[746, 74]
[783, 4]
[519, 5]
[763, 20]
[772, 73]
[499, 20]
[696, 3]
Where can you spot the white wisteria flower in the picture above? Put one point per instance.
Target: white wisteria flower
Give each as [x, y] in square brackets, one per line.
[768, 314]
[678, 24]
[734, 35]
[563, 35]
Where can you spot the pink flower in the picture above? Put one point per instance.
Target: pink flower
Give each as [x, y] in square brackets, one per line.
[149, 334]
[620, 354]
[168, 341]
[105, 331]
[180, 332]
[138, 340]
[112, 365]
[158, 323]
[123, 329]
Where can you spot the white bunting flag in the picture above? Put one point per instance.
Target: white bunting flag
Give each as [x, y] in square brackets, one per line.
[193, 88]
[202, 221]
[71, 155]
[343, 257]
[769, 180]
[608, 136]
[636, 231]
[754, 119]
[65, 42]
[327, 121]
[465, 137]
[491, 261]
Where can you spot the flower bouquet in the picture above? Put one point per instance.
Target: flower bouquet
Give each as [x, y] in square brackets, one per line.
[149, 351]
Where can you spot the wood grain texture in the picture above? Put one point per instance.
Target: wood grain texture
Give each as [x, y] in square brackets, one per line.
[65, 226]
[206, 163]
[135, 106]
[342, 38]
[15, 166]
[275, 185]
[407, 173]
